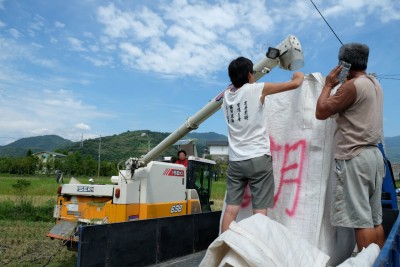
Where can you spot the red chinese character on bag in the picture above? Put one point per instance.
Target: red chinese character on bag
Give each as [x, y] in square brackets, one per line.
[291, 170]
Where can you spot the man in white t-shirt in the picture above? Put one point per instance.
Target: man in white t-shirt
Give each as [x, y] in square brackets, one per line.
[249, 146]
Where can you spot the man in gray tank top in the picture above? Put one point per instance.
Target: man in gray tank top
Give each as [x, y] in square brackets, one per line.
[359, 167]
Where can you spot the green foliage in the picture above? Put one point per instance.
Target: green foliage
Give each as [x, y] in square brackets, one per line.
[6, 209]
[83, 159]
[21, 186]
[41, 185]
[113, 148]
[29, 153]
[208, 156]
[24, 210]
[220, 167]
[21, 166]
[123, 146]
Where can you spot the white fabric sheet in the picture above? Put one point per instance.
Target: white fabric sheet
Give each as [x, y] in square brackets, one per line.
[302, 151]
[244, 245]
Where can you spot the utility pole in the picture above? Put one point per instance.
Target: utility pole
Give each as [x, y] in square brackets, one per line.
[98, 165]
[81, 145]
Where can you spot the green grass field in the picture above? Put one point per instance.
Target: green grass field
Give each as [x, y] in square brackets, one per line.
[40, 185]
[24, 242]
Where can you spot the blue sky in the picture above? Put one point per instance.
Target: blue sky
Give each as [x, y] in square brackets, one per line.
[94, 68]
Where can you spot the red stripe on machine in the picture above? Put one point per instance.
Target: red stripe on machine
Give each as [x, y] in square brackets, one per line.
[174, 172]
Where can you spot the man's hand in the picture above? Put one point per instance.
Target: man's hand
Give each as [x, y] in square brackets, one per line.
[273, 88]
[298, 77]
[323, 111]
[332, 78]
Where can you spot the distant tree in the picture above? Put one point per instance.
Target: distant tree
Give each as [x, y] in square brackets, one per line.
[69, 164]
[6, 165]
[25, 165]
[49, 165]
[59, 164]
[208, 156]
[108, 168]
[61, 151]
[29, 153]
[89, 166]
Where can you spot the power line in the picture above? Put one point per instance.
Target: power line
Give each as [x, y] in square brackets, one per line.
[326, 22]
[381, 75]
[383, 78]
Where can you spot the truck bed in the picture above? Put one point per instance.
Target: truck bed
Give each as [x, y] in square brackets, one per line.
[182, 241]
[149, 242]
[389, 255]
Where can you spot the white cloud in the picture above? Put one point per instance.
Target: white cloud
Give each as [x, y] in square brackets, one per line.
[131, 50]
[31, 112]
[37, 106]
[58, 24]
[82, 126]
[37, 25]
[14, 33]
[142, 24]
[76, 44]
[388, 9]
[14, 52]
[385, 10]
[183, 38]
[100, 62]
[94, 48]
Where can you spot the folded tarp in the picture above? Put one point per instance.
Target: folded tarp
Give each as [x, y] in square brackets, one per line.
[260, 241]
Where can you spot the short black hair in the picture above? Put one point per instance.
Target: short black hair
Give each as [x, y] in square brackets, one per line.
[239, 70]
[356, 54]
[184, 152]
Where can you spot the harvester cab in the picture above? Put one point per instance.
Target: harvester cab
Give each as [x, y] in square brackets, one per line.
[199, 176]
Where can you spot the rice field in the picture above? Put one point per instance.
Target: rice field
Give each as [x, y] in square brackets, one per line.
[24, 243]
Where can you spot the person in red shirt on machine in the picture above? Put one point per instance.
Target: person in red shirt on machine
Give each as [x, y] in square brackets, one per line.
[182, 158]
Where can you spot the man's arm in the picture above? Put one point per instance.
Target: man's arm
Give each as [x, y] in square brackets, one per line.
[322, 111]
[344, 97]
[273, 88]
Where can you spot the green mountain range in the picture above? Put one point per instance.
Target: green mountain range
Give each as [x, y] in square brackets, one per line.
[392, 148]
[20, 147]
[113, 148]
[133, 144]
